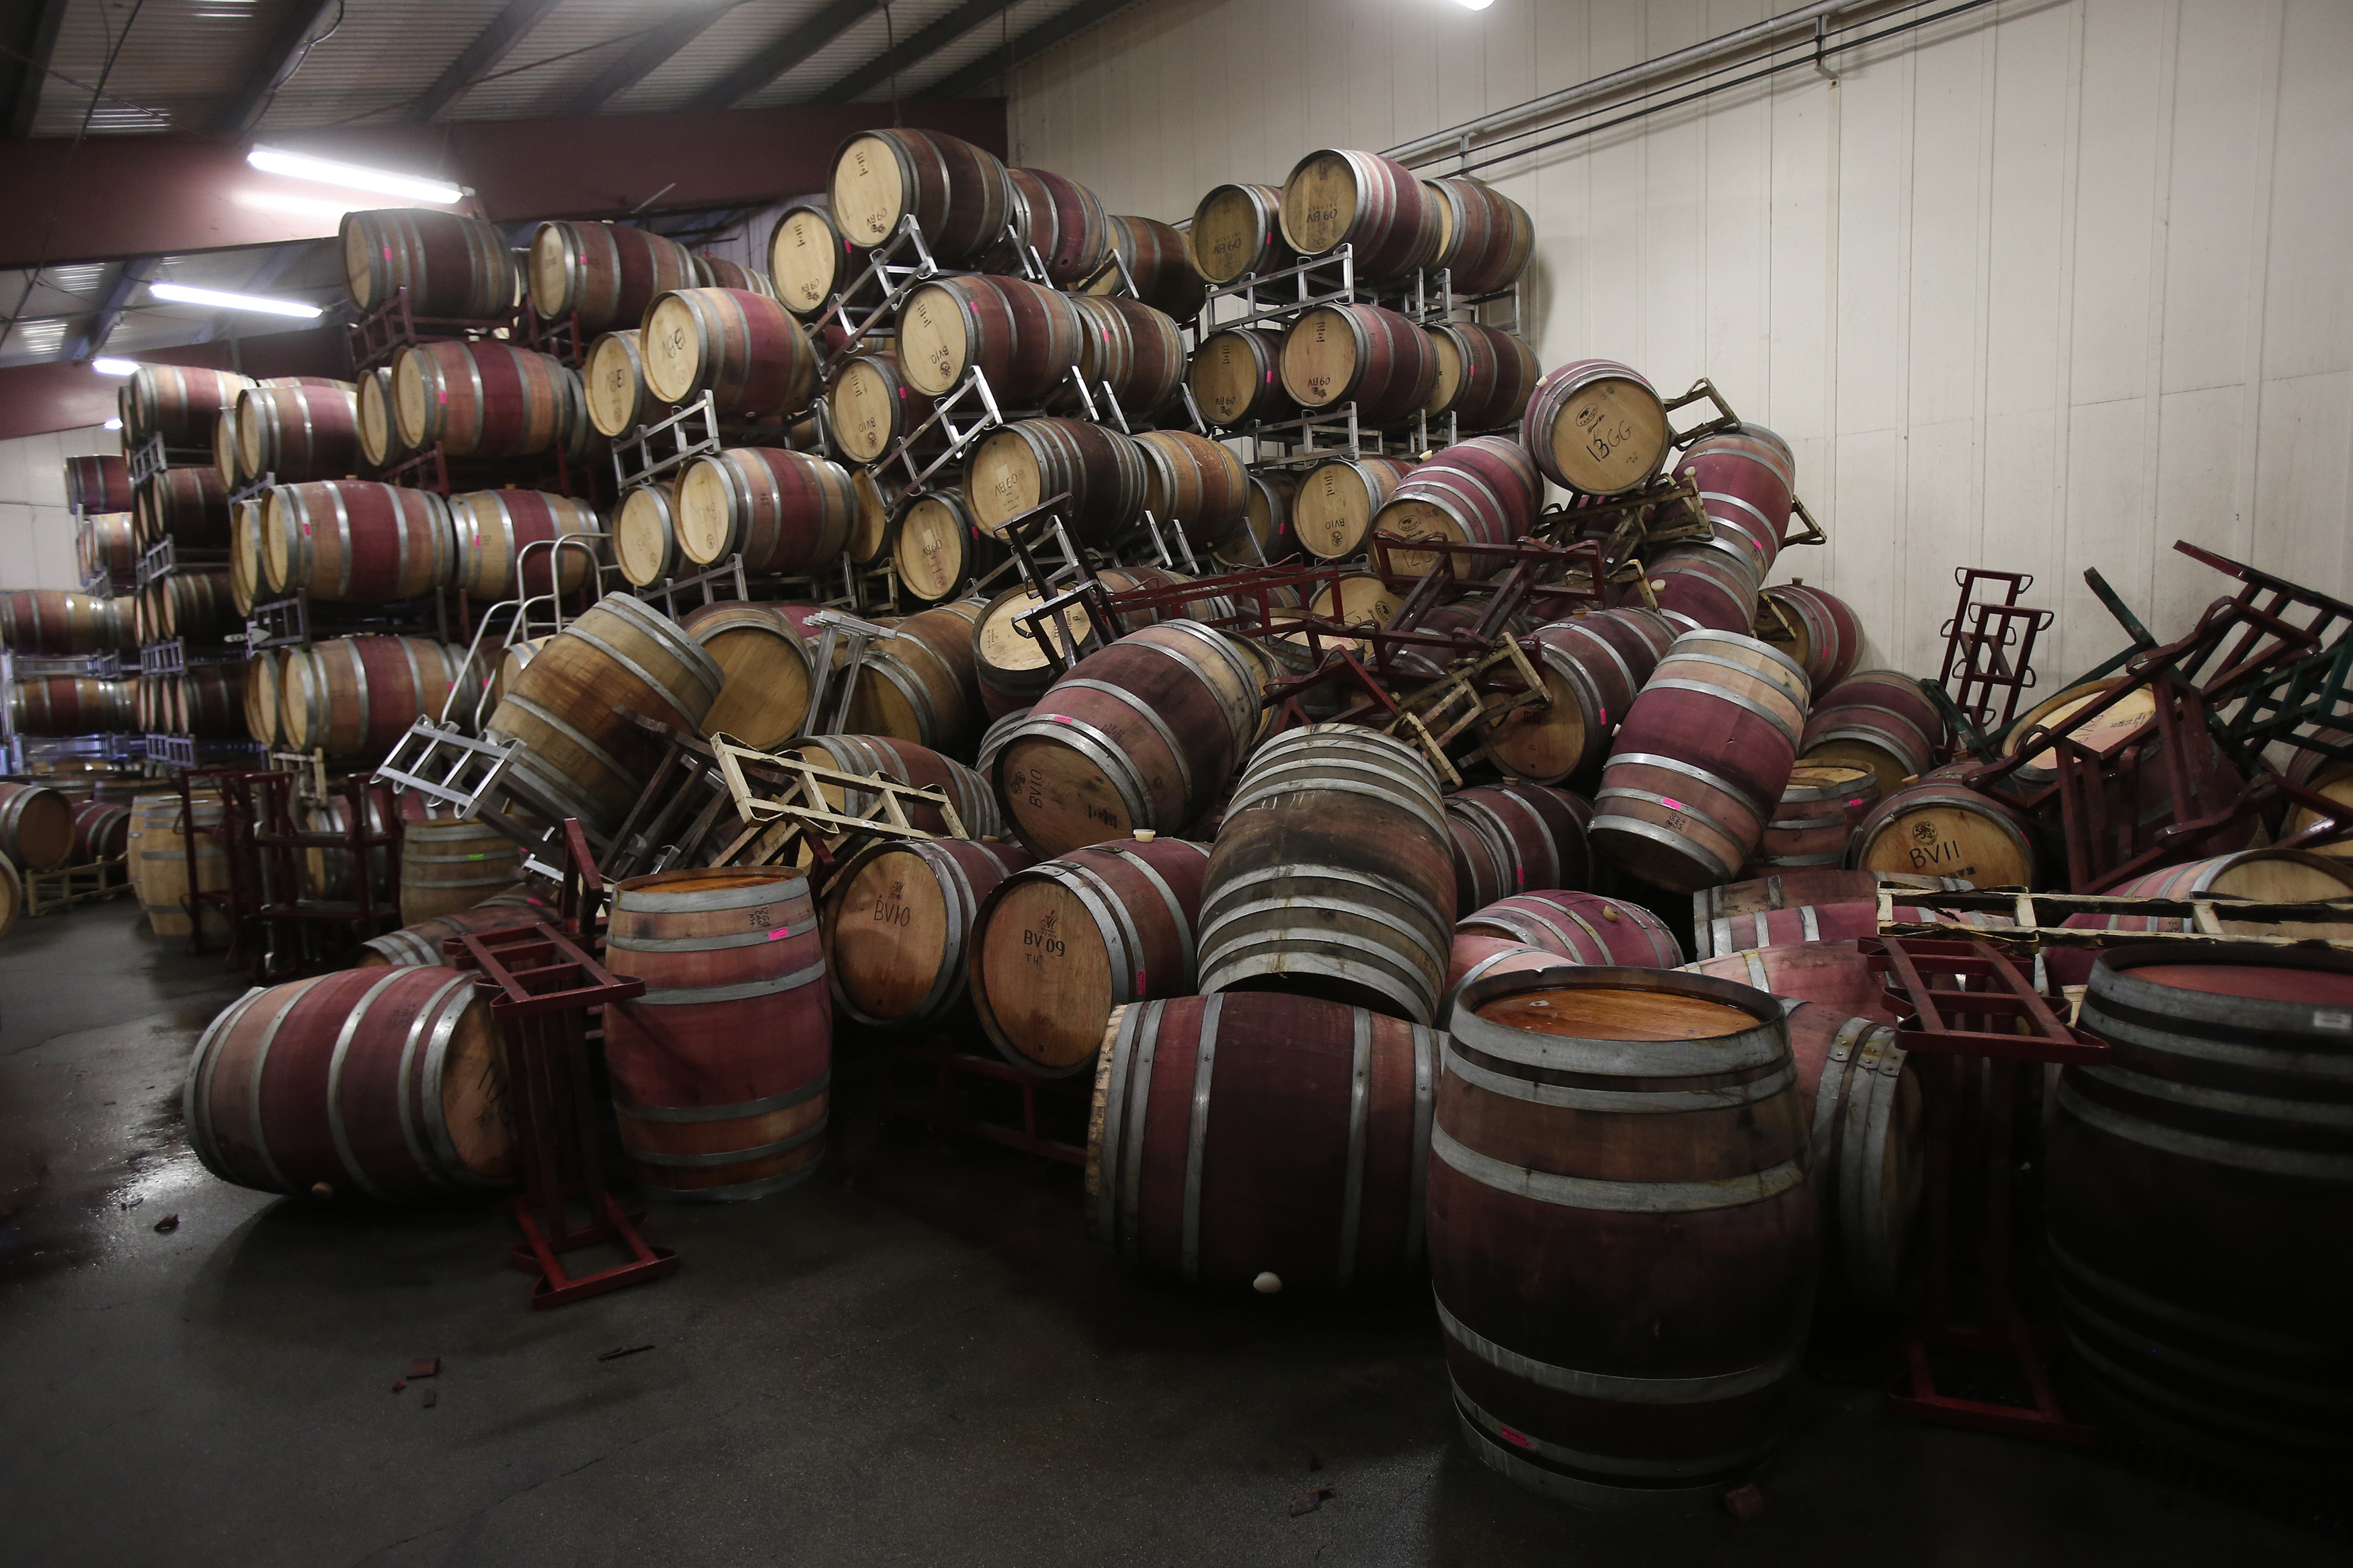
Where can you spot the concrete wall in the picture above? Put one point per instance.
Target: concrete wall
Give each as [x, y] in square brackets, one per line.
[2046, 287]
[36, 532]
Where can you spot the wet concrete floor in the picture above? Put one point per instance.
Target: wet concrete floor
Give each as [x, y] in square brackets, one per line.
[917, 1358]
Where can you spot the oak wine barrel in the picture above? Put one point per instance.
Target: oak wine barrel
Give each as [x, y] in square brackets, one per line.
[1485, 239]
[873, 408]
[421, 944]
[1517, 837]
[2266, 876]
[718, 272]
[603, 275]
[98, 484]
[188, 506]
[454, 268]
[109, 547]
[900, 918]
[68, 705]
[886, 756]
[51, 623]
[181, 403]
[1270, 536]
[1196, 483]
[1024, 339]
[1014, 468]
[211, 701]
[1366, 354]
[483, 399]
[1237, 378]
[645, 535]
[812, 262]
[1746, 485]
[197, 605]
[1485, 377]
[1159, 262]
[37, 826]
[1869, 1138]
[1238, 229]
[1879, 719]
[356, 541]
[919, 683]
[167, 863]
[1484, 490]
[354, 698]
[1938, 827]
[299, 432]
[1372, 205]
[1820, 807]
[1700, 589]
[101, 831]
[743, 349]
[381, 443]
[613, 383]
[1129, 347]
[1596, 427]
[1817, 630]
[956, 193]
[262, 719]
[1592, 665]
[445, 866]
[495, 528]
[1331, 512]
[1795, 887]
[767, 671]
[1832, 973]
[1060, 221]
[1582, 927]
[784, 511]
[937, 548]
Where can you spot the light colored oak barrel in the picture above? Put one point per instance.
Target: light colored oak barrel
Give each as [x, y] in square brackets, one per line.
[1485, 375]
[197, 605]
[1267, 1142]
[1270, 534]
[1514, 837]
[2197, 1220]
[566, 705]
[1365, 355]
[743, 349]
[226, 461]
[1592, 665]
[381, 443]
[212, 702]
[1332, 876]
[1238, 229]
[603, 274]
[811, 261]
[900, 919]
[166, 865]
[101, 831]
[886, 756]
[1939, 827]
[919, 683]
[1485, 239]
[180, 403]
[1061, 221]
[1372, 204]
[356, 541]
[613, 383]
[1699, 589]
[421, 944]
[645, 535]
[51, 623]
[1159, 262]
[1817, 629]
[783, 512]
[454, 268]
[67, 705]
[1484, 490]
[1063, 943]
[937, 548]
[2266, 876]
[1331, 512]
[445, 866]
[295, 433]
[1879, 719]
[493, 527]
[98, 484]
[262, 722]
[1801, 886]
[1581, 928]
[189, 506]
[1136, 349]
[385, 1084]
[108, 546]
[483, 399]
[1016, 466]
[872, 406]
[354, 698]
[1820, 807]
[1654, 1375]
[955, 191]
[720, 1070]
[1023, 337]
[1237, 378]
[1144, 733]
[1009, 663]
[1745, 483]
[767, 671]
[879, 496]
[1196, 483]
[1703, 754]
[37, 826]
[1596, 427]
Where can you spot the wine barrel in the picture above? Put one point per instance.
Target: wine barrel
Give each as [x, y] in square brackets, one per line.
[262, 720]
[212, 702]
[1333, 511]
[1870, 1149]
[1475, 953]
[956, 193]
[1332, 876]
[49, 623]
[899, 920]
[354, 698]
[1023, 337]
[1013, 468]
[718, 272]
[1514, 837]
[1820, 807]
[1062, 945]
[2198, 1222]
[1485, 239]
[1196, 483]
[767, 672]
[195, 605]
[2265, 875]
[1237, 230]
[101, 831]
[1009, 663]
[1271, 536]
[645, 535]
[98, 484]
[1699, 589]
[886, 756]
[1485, 377]
[37, 826]
[380, 442]
[168, 864]
[1796, 888]
[356, 541]
[919, 683]
[603, 275]
[1680, 1155]
[1363, 200]
[445, 866]
[1703, 754]
[1278, 1143]
[1143, 734]
[1159, 262]
[812, 262]
[1817, 630]
[1829, 974]
[482, 399]
[386, 1083]
[493, 527]
[743, 349]
[181, 403]
[613, 383]
[108, 547]
[1237, 378]
[454, 268]
[188, 506]
[1366, 354]
[297, 433]
[873, 408]
[581, 754]
[1484, 490]
[784, 511]
[1596, 427]
[938, 549]
[1060, 221]
[1814, 923]
[1746, 484]
[227, 462]
[1583, 928]
[68, 705]
[1128, 346]
[1592, 665]
[421, 944]
[1940, 827]
[1877, 720]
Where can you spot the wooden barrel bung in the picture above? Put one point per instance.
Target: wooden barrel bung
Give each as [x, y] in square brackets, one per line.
[1366, 354]
[1938, 827]
[445, 866]
[743, 349]
[454, 266]
[603, 275]
[1237, 378]
[956, 193]
[1331, 512]
[1238, 229]
[1596, 427]
[900, 919]
[810, 261]
[767, 672]
[1372, 204]
[614, 381]
[784, 511]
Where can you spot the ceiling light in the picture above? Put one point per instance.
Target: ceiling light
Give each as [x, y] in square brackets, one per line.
[1474, 5]
[114, 424]
[180, 294]
[328, 209]
[115, 366]
[358, 176]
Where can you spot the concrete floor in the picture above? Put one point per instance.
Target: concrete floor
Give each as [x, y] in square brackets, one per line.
[916, 1358]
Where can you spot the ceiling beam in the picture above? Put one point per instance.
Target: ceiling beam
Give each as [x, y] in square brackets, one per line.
[1036, 41]
[644, 58]
[33, 37]
[284, 55]
[912, 51]
[478, 58]
[91, 339]
[784, 53]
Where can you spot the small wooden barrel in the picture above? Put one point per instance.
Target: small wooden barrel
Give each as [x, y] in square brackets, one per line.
[1938, 827]
[919, 684]
[1365, 355]
[37, 826]
[482, 399]
[745, 349]
[1745, 485]
[613, 383]
[1369, 203]
[98, 484]
[937, 548]
[381, 443]
[2266, 876]
[1596, 427]
[1485, 239]
[1331, 512]
[211, 701]
[188, 506]
[356, 541]
[1238, 229]
[108, 546]
[296, 433]
[493, 529]
[1511, 837]
[885, 756]
[1592, 665]
[1485, 377]
[1480, 491]
[1237, 378]
[1869, 1138]
[766, 672]
[566, 705]
[1143, 734]
[1800, 885]
[1196, 483]
[812, 262]
[873, 408]
[1275, 1144]
[1699, 589]
[454, 268]
[956, 193]
[1159, 262]
[1023, 337]
[1703, 754]
[899, 920]
[645, 535]
[1014, 468]
[603, 275]
[1583, 928]
[181, 403]
[67, 705]
[1821, 806]
[389, 1084]
[1681, 1153]
[1061, 221]
[421, 944]
[101, 831]
[1878, 719]
[354, 697]
[166, 865]
[445, 866]
[1830, 973]
[1333, 876]
[1134, 350]
[262, 720]
[1270, 536]
[783, 512]
[50, 623]
[1817, 630]
[1062, 944]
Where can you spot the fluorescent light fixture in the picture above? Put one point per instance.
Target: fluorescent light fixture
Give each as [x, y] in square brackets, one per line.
[325, 207]
[1474, 5]
[181, 294]
[358, 176]
[114, 424]
[105, 366]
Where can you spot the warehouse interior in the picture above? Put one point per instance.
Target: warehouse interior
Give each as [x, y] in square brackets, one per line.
[1164, 781]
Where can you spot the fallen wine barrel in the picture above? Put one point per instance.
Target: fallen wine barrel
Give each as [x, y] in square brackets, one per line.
[354, 698]
[421, 944]
[300, 431]
[720, 1070]
[1809, 924]
[483, 399]
[2265, 875]
[1831, 975]
[1268, 1141]
[1237, 379]
[356, 541]
[1485, 239]
[1878, 719]
[387, 1083]
[1367, 354]
[613, 383]
[1024, 339]
[1937, 827]
[1818, 631]
[603, 275]
[1014, 468]
[454, 268]
[1474, 955]
[1651, 1118]
[1517, 837]
[1869, 1148]
[1485, 377]
[1592, 665]
[1270, 536]
[1159, 262]
[873, 756]
[956, 193]
[1745, 485]
[1480, 491]
[743, 349]
[37, 826]
[1062, 945]
[445, 866]
[1582, 927]
[1333, 875]
[1809, 885]
[785, 512]
[919, 683]
[101, 831]
[1596, 427]
[1821, 808]
[900, 921]
[1369, 203]
[1700, 589]
[1333, 511]
[1238, 229]
[767, 671]
[493, 527]
[872, 406]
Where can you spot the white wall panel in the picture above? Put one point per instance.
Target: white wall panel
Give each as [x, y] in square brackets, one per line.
[2037, 289]
[36, 532]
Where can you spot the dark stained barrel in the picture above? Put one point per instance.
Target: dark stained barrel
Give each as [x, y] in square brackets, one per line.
[1830, 973]
[1514, 837]
[784, 511]
[2266, 876]
[1366, 354]
[354, 698]
[1649, 1125]
[1803, 885]
[299, 432]
[1023, 337]
[743, 349]
[1484, 490]
[1818, 630]
[108, 545]
[52, 623]
[721, 1069]
[955, 191]
[900, 918]
[188, 506]
[495, 528]
[1596, 427]
[1061, 221]
[1745, 483]
[445, 866]
[380, 442]
[101, 831]
[1020, 465]
[1369, 203]
[37, 826]
[871, 756]
[1879, 719]
[454, 268]
[98, 484]
[1485, 375]
[1160, 263]
[356, 541]
[422, 944]
[1485, 239]
[1263, 1141]
[1582, 927]
[919, 683]
[604, 274]
[1869, 1148]
[1196, 483]
[1238, 229]
[1820, 807]
[1237, 378]
[1700, 589]
[67, 705]
[483, 399]
[178, 402]
[1271, 536]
